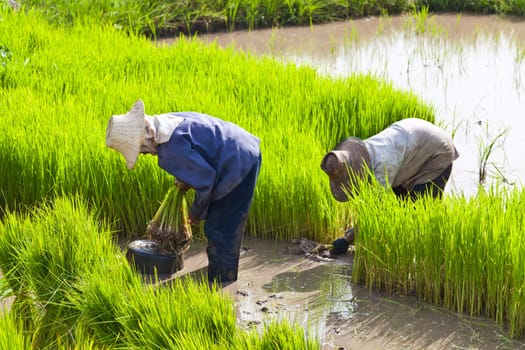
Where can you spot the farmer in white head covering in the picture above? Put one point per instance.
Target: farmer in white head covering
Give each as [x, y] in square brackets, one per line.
[216, 158]
[412, 156]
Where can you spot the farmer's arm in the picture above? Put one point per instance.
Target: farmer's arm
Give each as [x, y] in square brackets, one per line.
[179, 159]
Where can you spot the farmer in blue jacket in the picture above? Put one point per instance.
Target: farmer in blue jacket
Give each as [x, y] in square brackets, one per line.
[216, 158]
[412, 157]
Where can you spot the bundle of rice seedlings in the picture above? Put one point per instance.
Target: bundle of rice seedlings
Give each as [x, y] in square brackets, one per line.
[170, 226]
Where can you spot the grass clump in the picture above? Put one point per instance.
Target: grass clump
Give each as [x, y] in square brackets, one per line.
[44, 258]
[170, 226]
[201, 16]
[466, 254]
[11, 336]
[157, 18]
[59, 98]
[73, 288]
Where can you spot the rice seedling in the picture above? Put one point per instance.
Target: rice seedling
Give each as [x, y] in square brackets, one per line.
[385, 21]
[279, 335]
[11, 335]
[486, 150]
[429, 248]
[163, 17]
[44, 259]
[420, 20]
[170, 226]
[58, 260]
[351, 35]
[72, 96]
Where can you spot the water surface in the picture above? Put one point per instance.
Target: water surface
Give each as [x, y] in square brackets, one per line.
[471, 69]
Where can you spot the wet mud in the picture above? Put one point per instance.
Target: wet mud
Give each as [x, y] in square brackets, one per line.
[277, 281]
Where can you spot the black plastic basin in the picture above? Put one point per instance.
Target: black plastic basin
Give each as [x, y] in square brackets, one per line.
[146, 257]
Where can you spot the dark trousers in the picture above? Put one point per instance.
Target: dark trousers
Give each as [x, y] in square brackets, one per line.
[433, 188]
[224, 228]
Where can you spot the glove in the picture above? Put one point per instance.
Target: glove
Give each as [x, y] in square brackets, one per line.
[340, 246]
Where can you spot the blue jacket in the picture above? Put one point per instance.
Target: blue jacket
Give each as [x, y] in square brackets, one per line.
[211, 155]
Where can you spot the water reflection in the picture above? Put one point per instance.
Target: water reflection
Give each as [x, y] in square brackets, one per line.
[327, 291]
[470, 68]
[331, 281]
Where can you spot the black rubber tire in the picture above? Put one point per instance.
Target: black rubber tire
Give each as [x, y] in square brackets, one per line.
[145, 257]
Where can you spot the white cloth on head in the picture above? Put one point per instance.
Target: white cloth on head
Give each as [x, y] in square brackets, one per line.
[159, 129]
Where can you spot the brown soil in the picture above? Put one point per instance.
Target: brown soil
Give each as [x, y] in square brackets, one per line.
[276, 282]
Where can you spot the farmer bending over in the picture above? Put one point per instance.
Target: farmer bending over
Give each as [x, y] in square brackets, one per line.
[218, 159]
[412, 156]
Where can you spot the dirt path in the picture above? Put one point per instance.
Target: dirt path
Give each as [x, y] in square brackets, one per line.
[276, 284]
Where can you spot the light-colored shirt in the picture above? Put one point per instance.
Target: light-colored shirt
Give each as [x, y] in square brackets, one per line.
[410, 152]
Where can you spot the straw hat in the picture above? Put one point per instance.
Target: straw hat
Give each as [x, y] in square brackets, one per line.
[349, 158]
[125, 133]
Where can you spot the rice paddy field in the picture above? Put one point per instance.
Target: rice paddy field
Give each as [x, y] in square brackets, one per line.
[65, 199]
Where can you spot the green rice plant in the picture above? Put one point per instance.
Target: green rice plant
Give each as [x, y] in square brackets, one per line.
[170, 226]
[421, 22]
[464, 254]
[161, 17]
[485, 151]
[420, 19]
[278, 336]
[58, 260]
[167, 17]
[44, 258]
[512, 7]
[253, 18]
[477, 6]
[191, 317]
[63, 261]
[297, 114]
[192, 309]
[11, 336]
[232, 7]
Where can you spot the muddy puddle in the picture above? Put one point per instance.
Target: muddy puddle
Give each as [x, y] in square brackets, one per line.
[470, 68]
[277, 283]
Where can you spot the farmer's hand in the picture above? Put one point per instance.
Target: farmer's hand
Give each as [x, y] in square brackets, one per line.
[340, 246]
[183, 186]
[193, 220]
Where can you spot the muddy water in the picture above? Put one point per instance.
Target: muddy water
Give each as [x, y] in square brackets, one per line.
[276, 283]
[470, 68]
